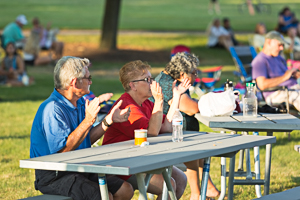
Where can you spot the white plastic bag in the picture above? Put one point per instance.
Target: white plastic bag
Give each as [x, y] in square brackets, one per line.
[217, 104]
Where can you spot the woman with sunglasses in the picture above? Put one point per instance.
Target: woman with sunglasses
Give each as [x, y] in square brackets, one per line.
[138, 84]
[181, 67]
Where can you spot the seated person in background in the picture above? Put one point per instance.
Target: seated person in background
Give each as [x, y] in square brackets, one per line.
[219, 36]
[288, 24]
[13, 32]
[63, 123]
[227, 26]
[138, 85]
[48, 40]
[259, 36]
[32, 49]
[12, 68]
[182, 66]
[269, 69]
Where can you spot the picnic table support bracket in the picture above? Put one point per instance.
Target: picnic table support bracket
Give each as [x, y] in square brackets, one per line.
[257, 167]
[268, 168]
[167, 184]
[205, 176]
[231, 178]
[248, 164]
[241, 160]
[103, 186]
[141, 186]
[223, 178]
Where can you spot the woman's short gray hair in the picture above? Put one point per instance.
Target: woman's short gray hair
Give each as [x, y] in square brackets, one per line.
[182, 62]
[68, 68]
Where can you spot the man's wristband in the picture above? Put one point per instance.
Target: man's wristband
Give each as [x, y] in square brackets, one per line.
[105, 123]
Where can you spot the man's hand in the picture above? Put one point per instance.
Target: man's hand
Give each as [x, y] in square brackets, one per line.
[289, 73]
[105, 97]
[118, 115]
[296, 74]
[182, 87]
[91, 109]
[156, 91]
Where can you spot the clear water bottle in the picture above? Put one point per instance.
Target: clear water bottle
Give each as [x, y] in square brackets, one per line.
[250, 102]
[177, 124]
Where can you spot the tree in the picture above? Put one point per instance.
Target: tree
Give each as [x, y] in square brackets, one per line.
[110, 25]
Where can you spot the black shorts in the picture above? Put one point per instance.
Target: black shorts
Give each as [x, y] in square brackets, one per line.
[218, 45]
[44, 48]
[213, 1]
[76, 185]
[29, 62]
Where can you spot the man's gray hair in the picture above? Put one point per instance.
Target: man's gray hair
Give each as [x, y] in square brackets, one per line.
[68, 68]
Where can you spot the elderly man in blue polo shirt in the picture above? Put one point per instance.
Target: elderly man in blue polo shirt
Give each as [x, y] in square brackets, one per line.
[64, 122]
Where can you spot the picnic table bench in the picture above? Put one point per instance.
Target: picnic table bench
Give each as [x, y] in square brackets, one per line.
[291, 194]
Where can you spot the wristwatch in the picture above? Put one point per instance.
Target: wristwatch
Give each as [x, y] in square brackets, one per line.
[105, 123]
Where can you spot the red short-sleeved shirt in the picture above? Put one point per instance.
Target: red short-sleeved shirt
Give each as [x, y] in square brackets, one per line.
[138, 119]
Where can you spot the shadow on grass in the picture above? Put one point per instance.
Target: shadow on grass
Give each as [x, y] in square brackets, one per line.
[14, 137]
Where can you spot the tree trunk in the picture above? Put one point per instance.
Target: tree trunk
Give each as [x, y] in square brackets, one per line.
[110, 25]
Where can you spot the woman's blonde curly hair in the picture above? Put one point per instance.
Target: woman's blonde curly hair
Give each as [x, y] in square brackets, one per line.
[182, 62]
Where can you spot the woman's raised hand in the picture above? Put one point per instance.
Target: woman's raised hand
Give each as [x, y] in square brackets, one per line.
[182, 87]
[156, 91]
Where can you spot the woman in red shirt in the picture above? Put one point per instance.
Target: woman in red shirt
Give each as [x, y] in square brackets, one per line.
[139, 86]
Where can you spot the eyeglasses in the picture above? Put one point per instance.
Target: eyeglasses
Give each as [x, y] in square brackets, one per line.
[195, 73]
[147, 79]
[88, 78]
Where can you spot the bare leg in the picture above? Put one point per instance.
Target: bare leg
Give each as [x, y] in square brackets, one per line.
[124, 193]
[156, 185]
[225, 41]
[13, 82]
[250, 7]
[42, 60]
[292, 32]
[217, 8]
[180, 180]
[194, 175]
[57, 47]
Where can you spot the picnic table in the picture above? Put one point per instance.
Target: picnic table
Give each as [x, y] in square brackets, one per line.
[125, 158]
[264, 122]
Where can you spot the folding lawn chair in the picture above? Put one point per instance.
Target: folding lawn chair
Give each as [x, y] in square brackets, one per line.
[207, 77]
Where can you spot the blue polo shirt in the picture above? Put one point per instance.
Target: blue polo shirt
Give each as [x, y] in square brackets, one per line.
[55, 119]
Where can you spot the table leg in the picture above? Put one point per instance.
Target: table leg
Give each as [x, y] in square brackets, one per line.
[268, 168]
[167, 177]
[205, 176]
[257, 167]
[223, 178]
[103, 187]
[231, 178]
[165, 188]
[141, 185]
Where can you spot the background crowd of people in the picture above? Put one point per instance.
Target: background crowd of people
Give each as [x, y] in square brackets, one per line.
[20, 51]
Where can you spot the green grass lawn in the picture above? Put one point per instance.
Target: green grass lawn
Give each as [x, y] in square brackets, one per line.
[140, 14]
[19, 105]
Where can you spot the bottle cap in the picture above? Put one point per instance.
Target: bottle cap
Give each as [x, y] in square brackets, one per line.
[250, 84]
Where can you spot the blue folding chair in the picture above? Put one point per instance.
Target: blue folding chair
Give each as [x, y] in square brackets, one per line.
[242, 57]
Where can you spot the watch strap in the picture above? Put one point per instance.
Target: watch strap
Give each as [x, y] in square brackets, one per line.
[105, 123]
